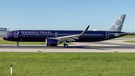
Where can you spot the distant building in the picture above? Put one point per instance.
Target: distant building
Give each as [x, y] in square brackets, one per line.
[3, 31]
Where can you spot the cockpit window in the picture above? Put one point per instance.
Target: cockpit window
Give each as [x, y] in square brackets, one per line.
[8, 33]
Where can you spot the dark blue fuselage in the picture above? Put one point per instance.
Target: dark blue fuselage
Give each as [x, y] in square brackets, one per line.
[42, 35]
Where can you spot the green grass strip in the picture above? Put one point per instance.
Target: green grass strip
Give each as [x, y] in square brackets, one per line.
[132, 41]
[1, 36]
[26, 43]
[21, 43]
[127, 36]
[67, 64]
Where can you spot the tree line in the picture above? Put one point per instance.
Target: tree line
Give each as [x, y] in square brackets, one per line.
[131, 33]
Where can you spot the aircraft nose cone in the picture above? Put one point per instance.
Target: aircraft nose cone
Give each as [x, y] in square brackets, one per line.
[5, 37]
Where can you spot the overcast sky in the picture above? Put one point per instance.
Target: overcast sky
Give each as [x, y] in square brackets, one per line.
[66, 14]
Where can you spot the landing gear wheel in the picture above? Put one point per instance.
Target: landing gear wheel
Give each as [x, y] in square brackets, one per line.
[17, 44]
[65, 45]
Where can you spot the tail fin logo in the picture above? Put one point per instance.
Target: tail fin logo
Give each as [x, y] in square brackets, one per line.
[117, 26]
[121, 23]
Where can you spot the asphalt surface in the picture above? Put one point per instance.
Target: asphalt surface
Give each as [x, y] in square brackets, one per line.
[114, 45]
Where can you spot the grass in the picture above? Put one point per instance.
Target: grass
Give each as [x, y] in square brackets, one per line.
[1, 36]
[127, 36]
[67, 64]
[26, 43]
[21, 43]
[132, 41]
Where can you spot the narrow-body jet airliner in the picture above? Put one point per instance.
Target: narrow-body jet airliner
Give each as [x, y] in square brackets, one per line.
[55, 37]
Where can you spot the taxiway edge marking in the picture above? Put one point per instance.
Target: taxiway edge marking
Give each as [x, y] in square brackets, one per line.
[41, 50]
[112, 50]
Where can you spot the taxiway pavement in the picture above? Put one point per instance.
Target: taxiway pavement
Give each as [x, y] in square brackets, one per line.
[114, 45]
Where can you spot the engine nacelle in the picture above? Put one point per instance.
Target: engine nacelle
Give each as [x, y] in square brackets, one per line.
[51, 42]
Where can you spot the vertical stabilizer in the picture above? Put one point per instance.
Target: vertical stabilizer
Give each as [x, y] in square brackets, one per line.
[117, 26]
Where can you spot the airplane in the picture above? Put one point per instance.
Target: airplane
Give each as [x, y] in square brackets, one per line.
[55, 37]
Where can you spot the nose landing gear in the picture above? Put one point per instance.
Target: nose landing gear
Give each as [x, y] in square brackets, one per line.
[17, 44]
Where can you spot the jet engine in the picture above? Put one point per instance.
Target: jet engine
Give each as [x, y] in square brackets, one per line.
[51, 42]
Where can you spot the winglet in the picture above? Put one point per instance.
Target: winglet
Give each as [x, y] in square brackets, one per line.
[85, 30]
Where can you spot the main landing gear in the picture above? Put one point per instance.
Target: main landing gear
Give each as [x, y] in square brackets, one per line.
[65, 45]
[17, 44]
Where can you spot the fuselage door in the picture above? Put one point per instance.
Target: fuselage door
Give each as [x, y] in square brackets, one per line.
[107, 34]
[56, 34]
[16, 34]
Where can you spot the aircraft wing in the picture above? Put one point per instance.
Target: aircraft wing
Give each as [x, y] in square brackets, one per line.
[71, 37]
